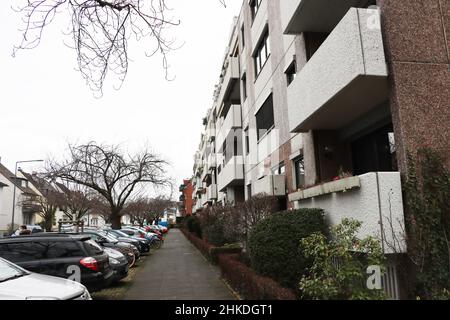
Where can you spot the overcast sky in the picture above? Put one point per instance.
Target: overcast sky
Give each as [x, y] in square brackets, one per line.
[45, 103]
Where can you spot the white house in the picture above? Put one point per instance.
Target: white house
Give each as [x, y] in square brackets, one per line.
[22, 214]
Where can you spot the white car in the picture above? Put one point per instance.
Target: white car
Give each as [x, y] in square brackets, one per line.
[17, 283]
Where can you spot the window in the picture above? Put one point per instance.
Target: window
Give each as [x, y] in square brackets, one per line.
[291, 72]
[20, 252]
[374, 152]
[254, 5]
[313, 41]
[299, 167]
[247, 141]
[235, 146]
[243, 37]
[95, 249]
[63, 249]
[249, 191]
[279, 170]
[264, 118]
[244, 87]
[262, 53]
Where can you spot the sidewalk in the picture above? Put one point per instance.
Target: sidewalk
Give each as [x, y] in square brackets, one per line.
[178, 272]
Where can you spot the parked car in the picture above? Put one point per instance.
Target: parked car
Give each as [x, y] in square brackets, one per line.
[17, 283]
[153, 229]
[34, 229]
[146, 234]
[155, 241]
[60, 255]
[118, 263]
[142, 244]
[128, 250]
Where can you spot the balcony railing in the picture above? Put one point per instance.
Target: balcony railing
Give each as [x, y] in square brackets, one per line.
[233, 120]
[345, 79]
[230, 79]
[232, 173]
[272, 185]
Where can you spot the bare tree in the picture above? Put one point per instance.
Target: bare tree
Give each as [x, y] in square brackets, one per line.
[101, 31]
[76, 200]
[116, 177]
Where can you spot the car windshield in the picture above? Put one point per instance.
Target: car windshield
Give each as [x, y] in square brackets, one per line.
[108, 237]
[9, 271]
[121, 234]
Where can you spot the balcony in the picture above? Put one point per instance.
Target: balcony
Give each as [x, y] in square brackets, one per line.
[374, 198]
[212, 161]
[211, 192]
[233, 120]
[230, 89]
[272, 185]
[345, 78]
[232, 173]
[211, 132]
[314, 15]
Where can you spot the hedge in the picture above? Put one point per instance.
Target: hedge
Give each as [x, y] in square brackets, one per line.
[208, 250]
[248, 283]
[274, 243]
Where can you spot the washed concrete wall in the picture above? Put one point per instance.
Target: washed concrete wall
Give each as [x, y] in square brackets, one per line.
[378, 204]
[417, 42]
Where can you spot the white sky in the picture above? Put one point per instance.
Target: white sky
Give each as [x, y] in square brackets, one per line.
[45, 103]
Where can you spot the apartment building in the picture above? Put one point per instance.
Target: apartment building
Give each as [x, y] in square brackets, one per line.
[319, 103]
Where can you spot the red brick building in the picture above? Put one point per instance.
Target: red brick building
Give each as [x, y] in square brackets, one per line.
[186, 201]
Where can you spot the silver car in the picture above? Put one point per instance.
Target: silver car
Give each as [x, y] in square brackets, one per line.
[17, 283]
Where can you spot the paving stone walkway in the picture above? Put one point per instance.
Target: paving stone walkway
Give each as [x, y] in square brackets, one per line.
[178, 271]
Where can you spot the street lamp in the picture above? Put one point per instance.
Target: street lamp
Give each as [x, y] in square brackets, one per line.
[14, 192]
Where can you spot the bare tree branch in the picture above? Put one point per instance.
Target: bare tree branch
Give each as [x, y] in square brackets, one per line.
[101, 30]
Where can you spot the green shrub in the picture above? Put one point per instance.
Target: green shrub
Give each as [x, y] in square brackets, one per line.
[339, 268]
[273, 244]
[193, 225]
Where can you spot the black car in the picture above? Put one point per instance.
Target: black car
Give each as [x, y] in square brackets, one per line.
[74, 257]
[142, 244]
[127, 249]
[118, 263]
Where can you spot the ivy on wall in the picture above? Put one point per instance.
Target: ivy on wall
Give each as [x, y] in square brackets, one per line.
[427, 193]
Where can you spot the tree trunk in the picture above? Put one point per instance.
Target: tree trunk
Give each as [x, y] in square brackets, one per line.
[48, 224]
[116, 224]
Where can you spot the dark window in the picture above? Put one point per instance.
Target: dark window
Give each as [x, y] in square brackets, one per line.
[313, 41]
[243, 37]
[254, 5]
[63, 249]
[249, 191]
[19, 252]
[374, 152]
[247, 142]
[291, 72]
[264, 117]
[299, 167]
[235, 145]
[244, 87]
[280, 169]
[94, 249]
[262, 53]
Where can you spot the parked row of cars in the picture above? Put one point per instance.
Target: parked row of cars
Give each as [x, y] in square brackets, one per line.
[80, 262]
